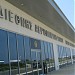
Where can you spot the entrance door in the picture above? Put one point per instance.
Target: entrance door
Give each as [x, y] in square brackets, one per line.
[36, 62]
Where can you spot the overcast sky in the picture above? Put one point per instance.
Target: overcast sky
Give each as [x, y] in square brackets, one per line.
[68, 8]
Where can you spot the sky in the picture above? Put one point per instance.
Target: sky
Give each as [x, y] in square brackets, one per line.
[68, 8]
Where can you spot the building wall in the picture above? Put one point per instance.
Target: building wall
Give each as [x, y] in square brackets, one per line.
[48, 13]
[18, 29]
[5, 24]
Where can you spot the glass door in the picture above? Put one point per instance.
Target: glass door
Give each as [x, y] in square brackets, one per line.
[36, 62]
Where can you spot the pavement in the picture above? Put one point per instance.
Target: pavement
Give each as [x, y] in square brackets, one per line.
[66, 70]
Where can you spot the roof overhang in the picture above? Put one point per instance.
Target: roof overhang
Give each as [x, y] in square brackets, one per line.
[45, 12]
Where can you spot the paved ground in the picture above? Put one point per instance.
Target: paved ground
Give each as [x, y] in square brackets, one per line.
[67, 70]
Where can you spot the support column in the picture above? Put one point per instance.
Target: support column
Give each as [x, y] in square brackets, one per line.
[56, 56]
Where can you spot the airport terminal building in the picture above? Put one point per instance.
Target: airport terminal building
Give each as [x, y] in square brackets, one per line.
[35, 37]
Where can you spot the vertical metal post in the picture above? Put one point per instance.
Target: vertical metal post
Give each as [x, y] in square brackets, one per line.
[8, 53]
[17, 55]
[45, 55]
[42, 60]
[24, 55]
[30, 55]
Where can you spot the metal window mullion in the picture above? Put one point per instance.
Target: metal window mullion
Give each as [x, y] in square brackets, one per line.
[17, 54]
[24, 54]
[53, 53]
[48, 56]
[44, 51]
[9, 53]
[30, 55]
[42, 58]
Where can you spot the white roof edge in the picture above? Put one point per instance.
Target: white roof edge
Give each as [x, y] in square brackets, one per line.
[53, 3]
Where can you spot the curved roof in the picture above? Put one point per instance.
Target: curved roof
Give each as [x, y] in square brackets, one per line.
[45, 12]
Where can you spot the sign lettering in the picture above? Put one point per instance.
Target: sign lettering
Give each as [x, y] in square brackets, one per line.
[14, 18]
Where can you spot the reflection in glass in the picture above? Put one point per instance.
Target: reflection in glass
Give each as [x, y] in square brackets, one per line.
[4, 64]
[42, 55]
[13, 54]
[27, 55]
[21, 54]
[60, 54]
[52, 55]
[47, 56]
[36, 62]
[73, 54]
[68, 55]
[64, 55]
[39, 62]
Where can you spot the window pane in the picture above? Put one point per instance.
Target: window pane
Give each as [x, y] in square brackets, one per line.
[64, 55]
[39, 62]
[60, 54]
[13, 53]
[46, 50]
[4, 64]
[52, 62]
[42, 50]
[68, 55]
[73, 54]
[27, 55]
[46, 56]
[21, 53]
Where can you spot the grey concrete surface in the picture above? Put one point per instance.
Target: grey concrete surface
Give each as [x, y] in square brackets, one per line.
[67, 70]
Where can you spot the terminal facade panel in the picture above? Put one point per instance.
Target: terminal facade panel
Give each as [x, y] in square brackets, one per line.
[28, 46]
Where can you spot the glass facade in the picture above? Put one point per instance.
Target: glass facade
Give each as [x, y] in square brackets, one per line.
[18, 55]
[21, 54]
[13, 53]
[73, 54]
[29, 68]
[4, 59]
[28, 56]
[47, 56]
[64, 55]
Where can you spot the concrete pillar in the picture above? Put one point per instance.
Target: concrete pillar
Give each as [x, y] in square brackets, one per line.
[56, 56]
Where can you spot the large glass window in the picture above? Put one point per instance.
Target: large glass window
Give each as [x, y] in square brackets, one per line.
[51, 56]
[28, 55]
[47, 55]
[42, 50]
[60, 54]
[4, 64]
[36, 62]
[36, 56]
[43, 56]
[21, 54]
[64, 55]
[68, 55]
[46, 50]
[18, 55]
[13, 53]
[73, 54]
